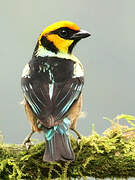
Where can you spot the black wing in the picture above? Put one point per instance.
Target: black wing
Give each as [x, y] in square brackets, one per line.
[51, 99]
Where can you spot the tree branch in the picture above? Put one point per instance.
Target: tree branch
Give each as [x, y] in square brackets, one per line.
[109, 155]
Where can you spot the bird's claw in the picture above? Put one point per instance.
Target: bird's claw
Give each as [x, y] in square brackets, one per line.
[78, 135]
[79, 140]
[27, 143]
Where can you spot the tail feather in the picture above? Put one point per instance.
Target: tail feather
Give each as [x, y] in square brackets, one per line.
[58, 146]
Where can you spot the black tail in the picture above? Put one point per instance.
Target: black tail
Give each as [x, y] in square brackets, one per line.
[58, 148]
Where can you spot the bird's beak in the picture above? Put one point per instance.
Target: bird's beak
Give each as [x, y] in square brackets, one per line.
[81, 34]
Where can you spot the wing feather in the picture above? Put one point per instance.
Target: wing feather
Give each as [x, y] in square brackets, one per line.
[36, 93]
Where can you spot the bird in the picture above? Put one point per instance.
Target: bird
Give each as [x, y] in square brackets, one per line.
[52, 83]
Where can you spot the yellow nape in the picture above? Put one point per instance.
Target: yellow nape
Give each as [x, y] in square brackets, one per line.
[60, 24]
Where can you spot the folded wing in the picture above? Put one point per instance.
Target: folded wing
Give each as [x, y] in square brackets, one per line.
[51, 99]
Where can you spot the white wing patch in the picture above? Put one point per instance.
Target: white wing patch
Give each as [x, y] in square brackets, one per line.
[26, 71]
[51, 86]
[78, 70]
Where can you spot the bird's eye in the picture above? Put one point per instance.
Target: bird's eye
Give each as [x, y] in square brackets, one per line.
[63, 33]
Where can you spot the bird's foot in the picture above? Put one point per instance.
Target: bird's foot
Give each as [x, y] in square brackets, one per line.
[27, 143]
[79, 140]
[78, 135]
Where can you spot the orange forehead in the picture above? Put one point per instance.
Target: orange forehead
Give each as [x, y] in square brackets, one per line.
[60, 24]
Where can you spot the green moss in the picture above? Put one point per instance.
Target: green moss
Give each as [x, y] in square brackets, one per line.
[110, 155]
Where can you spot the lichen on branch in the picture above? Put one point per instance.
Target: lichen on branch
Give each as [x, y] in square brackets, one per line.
[110, 155]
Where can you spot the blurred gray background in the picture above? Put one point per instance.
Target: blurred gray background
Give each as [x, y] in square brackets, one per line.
[108, 57]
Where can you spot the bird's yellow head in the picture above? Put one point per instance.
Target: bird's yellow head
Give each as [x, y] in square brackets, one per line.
[61, 37]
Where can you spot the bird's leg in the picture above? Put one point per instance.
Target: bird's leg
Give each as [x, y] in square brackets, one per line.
[27, 141]
[77, 133]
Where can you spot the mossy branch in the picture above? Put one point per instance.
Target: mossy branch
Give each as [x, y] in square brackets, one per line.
[110, 155]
